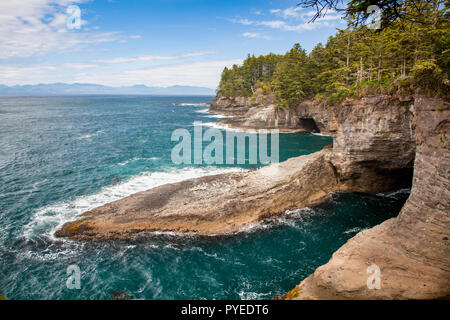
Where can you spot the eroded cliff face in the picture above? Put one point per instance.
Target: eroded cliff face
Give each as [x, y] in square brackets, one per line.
[259, 113]
[373, 148]
[230, 106]
[412, 251]
[374, 143]
[378, 140]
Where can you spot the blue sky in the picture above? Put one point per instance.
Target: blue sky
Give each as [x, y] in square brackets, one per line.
[155, 42]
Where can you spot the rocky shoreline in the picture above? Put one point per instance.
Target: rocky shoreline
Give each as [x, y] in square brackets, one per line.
[412, 250]
[379, 142]
[211, 205]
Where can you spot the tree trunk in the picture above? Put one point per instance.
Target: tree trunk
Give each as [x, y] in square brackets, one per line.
[348, 61]
[360, 69]
[380, 59]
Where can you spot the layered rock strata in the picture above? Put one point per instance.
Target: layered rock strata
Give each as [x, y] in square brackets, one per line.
[412, 251]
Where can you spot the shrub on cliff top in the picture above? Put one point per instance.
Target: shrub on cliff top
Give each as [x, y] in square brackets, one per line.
[404, 57]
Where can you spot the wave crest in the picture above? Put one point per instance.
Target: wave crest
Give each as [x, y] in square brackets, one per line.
[46, 220]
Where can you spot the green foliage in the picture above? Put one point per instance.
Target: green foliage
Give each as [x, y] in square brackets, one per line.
[244, 80]
[370, 87]
[429, 77]
[406, 56]
[337, 97]
[290, 81]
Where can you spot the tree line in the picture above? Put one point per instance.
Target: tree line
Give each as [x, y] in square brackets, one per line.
[405, 56]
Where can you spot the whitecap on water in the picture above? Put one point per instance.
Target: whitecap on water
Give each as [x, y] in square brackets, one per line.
[354, 230]
[46, 220]
[137, 159]
[88, 136]
[222, 126]
[200, 104]
[202, 111]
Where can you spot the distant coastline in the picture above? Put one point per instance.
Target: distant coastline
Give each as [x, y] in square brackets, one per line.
[96, 89]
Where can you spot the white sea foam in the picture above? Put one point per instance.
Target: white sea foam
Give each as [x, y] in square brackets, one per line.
[289, 218]
[218, 116]
[137, 159]
[46, 220]
[201, 104]
[243, 295]
[222, 126]
[354, 230]
[88, 136]
[212, 115]
[321, 134]
[202, 111]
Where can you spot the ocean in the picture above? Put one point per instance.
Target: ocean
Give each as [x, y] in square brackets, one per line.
[63, 155]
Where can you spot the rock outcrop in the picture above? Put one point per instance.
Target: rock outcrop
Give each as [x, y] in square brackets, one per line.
[212, 205]
[411, 251]
[230, 106]
[257, 114]
[374, 144]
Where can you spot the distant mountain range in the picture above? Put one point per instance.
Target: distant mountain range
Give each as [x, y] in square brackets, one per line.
[86, 88]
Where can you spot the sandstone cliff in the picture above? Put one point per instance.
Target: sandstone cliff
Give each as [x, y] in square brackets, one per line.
[374, 144]
[412, 250]
[377, 141]
[256, 114]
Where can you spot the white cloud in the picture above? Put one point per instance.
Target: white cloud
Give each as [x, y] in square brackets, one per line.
[251, 35]
[291, 12]
[154, 58]
[79, 65]
[205, 74]
[282, 25]
[242, 21]
[38, 27]
[299, 13]
[289, 18]
[256, 35]
[275, 24]
[256, 12]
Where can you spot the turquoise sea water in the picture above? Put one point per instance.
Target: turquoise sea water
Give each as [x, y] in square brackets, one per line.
[60, 156]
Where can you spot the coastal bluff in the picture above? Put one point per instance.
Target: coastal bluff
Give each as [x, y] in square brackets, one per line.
[412, 250]
[380, 143]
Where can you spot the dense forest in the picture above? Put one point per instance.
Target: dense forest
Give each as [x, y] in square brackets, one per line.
[404, 56]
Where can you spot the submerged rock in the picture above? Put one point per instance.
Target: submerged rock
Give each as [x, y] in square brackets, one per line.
[119, 295]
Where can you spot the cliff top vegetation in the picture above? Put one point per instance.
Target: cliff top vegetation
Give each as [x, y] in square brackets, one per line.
[407, 52]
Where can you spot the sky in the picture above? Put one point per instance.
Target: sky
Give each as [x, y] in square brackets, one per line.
[154, 42]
